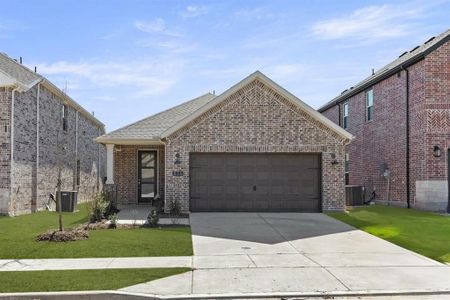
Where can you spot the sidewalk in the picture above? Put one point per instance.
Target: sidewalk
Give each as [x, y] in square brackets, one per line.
[95, 263]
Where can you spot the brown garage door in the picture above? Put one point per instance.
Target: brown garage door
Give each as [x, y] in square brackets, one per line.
[255, 182]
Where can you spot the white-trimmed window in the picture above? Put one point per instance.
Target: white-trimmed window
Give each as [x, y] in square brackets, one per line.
[347, 160]
[345, 115]
[369, 105]
[64, 115]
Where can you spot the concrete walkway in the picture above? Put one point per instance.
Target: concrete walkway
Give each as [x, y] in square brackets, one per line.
[95, 263]
[294, 254]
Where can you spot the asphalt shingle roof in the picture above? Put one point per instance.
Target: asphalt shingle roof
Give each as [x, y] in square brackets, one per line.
[152, 127]
[403, 59]
[22, 74]
[25, 79]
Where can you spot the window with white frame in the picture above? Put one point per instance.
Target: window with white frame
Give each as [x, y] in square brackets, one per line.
[64, 115]
[347, 160]
[345, 115]
[369, 105]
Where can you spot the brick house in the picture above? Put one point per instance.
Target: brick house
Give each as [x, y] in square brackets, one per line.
[400, 117]
[40, 128]
[256, 147]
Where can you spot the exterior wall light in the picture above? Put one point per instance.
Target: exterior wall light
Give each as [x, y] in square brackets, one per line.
[437, 151]
[334, 160]
[177, 159]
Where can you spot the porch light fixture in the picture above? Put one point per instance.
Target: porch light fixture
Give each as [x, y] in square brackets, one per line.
[334, 160]
[177, 159]
[437, 151]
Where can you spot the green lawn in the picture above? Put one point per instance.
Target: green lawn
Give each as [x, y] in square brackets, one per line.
[17, 239]
[79, 280]
[423, 232]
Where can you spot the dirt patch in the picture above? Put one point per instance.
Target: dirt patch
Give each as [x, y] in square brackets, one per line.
[68, 235]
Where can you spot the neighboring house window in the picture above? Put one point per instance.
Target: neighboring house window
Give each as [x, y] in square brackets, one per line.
[65, 112]
[78, 172]
[369, 105]
[345, 116]
[347, 159]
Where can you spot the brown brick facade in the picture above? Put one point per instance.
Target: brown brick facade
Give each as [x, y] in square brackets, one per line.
[126, 172]
[383, 140]
[256, 119]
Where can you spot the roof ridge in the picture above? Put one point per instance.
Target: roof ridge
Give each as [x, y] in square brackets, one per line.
[20, 65]
[159, 113]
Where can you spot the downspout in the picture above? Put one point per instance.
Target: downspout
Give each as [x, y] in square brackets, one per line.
[408, 193]
[13, 94]
[38, 97]
[165, 172]
[75, 183]
[98, 161]
[339, 114]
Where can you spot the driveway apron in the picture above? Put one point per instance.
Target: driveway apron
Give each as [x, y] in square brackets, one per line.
[245, 254]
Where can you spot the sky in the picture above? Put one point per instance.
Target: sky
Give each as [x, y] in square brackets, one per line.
[126, 60]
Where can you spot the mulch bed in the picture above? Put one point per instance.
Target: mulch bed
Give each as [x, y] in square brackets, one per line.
[68, 235]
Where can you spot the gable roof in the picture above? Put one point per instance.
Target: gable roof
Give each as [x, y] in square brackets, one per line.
[404, 60]
[157, 127]
[23, 79]
[149, 130]
[273, 85]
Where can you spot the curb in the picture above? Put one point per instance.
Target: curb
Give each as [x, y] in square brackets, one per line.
[111, 294]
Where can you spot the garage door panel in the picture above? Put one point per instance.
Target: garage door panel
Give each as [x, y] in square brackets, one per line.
[254, 182]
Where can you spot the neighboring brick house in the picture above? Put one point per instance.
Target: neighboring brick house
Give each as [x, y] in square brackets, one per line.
[400, 117]
[256, 147]
[36, 117]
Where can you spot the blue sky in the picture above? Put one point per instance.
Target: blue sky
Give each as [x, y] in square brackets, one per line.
[129, 59]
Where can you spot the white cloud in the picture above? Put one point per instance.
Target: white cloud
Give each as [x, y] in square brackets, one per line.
[146, 77]
[174, 46]
[193, 11]
[156, 26]
[258, 13]
[371, 23]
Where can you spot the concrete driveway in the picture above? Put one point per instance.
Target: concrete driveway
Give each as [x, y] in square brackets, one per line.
[293, 254]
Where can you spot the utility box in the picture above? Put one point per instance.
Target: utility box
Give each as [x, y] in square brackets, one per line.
[354, 195]
[68, 201]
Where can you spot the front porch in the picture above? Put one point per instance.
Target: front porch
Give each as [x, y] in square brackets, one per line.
[136, 176]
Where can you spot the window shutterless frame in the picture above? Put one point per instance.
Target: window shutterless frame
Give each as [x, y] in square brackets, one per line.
[369, 105]
[345, 115]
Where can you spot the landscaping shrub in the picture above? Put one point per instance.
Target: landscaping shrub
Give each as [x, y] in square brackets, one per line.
[113, 219]
[98, 207]
[153, 218]
[174, 210]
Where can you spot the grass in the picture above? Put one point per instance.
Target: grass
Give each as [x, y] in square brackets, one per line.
[79, 280]
[422, 232]
[17, 239]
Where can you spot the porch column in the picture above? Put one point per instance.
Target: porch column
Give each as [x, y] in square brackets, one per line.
[109, 163]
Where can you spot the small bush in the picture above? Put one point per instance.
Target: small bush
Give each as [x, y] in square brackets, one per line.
[153, 218]
[113, 219]
[98, 207]
[175, 210]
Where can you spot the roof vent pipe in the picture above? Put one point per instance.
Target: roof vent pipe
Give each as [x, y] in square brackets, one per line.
[35, 69]
[20, 60]
[373, 71]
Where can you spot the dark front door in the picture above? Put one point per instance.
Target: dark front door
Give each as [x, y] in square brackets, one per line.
[147, 176]
[255, 182]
